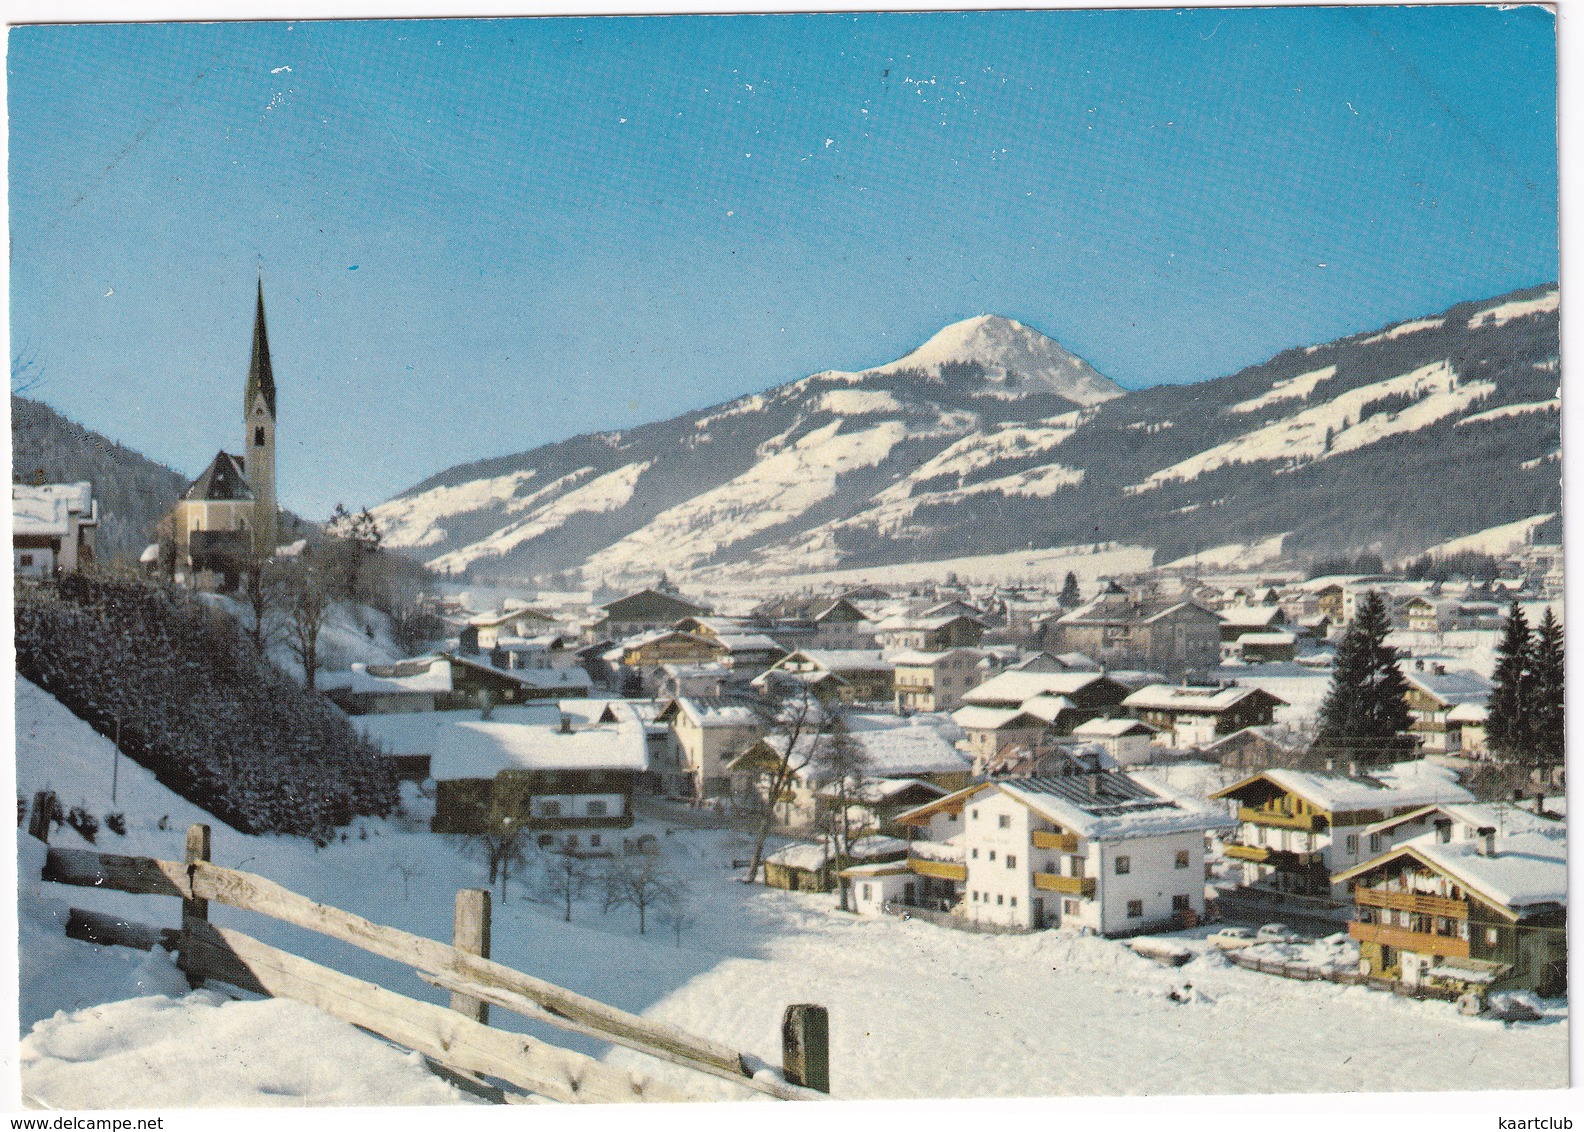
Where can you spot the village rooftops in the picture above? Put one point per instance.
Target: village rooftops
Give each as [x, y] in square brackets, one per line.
[1101, 806]
[1459, 686]
[976, 718]
[1251, 616]
[879, 791]
[1414, 783]
[1177, 697]
[47, 509]
[916, 658]
[1016, 687]
[1048, 707]
[707, 712]
[815, 855]
[423, 674]
[1111, 609]
[1522, 874]
[843, 660]
[651, 605]
[1113, 728]
[920, 744]
[1504, 817]
[601, 735]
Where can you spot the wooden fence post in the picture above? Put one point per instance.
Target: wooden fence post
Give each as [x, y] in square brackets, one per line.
[43, 811]
[195, 911]
[805, 1046]
[471, 933]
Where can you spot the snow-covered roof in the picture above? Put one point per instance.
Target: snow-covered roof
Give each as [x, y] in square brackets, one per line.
[1275, 637]
[424, 674]
[706, 712]
[1503, 817]
[976, 718]
[1526, 872]
[46, 509]
[748, 642]
[1107, 806]
[815, 855]
[1176, 697]
[878, 791]
[1048, 707]
[846, 660]
[1459, 686]
[1251, 615]
[1414, 783]
[920, 658]
[897, 747]
[1469, 713]
[1019, 686]
[1113, 728]
[528, 737]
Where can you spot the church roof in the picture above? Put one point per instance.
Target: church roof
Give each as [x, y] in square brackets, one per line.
[222, 480]
[261, 375]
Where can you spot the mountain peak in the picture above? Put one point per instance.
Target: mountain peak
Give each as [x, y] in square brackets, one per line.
[1014, 358]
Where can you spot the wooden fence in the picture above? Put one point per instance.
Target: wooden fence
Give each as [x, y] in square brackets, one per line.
[506, 1066]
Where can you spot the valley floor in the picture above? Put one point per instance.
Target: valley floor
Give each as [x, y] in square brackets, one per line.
[916, 1010]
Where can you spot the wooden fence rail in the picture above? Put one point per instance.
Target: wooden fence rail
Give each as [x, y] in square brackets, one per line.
[457, 1038]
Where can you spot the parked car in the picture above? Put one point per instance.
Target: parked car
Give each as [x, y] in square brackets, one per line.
[1276, 933]
[1230, 939]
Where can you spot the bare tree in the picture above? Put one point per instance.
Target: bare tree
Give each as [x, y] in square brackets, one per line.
[797, 728]
[263, 593]
[504, 832]
[640, 882]
[565, 877]
[410, 871]
[306, 604]
[842, 768]
[351, 539]
[676, 910]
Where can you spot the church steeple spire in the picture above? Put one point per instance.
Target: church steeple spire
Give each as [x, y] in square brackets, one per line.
[261, 376]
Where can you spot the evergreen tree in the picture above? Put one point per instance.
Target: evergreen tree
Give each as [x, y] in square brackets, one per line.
[1069, 591]
[1546, 724]
[1510, 696]
[1365, 715]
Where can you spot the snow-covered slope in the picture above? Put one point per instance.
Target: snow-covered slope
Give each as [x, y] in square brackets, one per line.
[991, 438]
[916, 1010]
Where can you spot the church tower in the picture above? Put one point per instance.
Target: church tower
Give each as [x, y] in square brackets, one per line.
[258, 420]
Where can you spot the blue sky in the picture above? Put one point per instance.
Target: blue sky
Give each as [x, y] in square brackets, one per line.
[481, 236]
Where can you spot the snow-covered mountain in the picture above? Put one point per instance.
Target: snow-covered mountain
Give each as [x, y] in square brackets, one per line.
[992, 437]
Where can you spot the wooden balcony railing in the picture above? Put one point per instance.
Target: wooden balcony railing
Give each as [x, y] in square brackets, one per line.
[1256, 853]
[1412, 902]
[1268, 855]
[940, 870]
[1422, 943]
[1306, 822]
[1067, 842]
[1072, 886]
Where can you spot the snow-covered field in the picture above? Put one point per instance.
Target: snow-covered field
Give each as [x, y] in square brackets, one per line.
[916, 1010]
[1492, 540]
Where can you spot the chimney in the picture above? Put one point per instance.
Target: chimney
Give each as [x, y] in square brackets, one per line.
[1443, 829]
[1094, 785]
[1486, 845]
[1353, 768]
[1440, 670]
[1419, 664]
[566, 724]
[1330, 765]
[1539, 803]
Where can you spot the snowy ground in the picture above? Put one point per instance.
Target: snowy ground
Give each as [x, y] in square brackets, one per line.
[916, 1010]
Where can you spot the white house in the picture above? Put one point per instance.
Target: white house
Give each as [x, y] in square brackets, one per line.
[936, 681]
[1128, 741]
[710, 732]
[52, 527]
[1093, 849]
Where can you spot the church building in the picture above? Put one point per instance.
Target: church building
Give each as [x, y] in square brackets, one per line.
[227, 518]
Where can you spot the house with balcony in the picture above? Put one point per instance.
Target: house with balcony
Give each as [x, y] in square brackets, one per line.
[1434, 693]
[566, 770]
[864, 676]
[646, 611]
[936, 681]
[1120, 630]
[949, 625]
[710, 732]
[52, 528]
[1458, 822]
[1483, 914]
[1086, 847]
[1188, 716]
[1296, 829]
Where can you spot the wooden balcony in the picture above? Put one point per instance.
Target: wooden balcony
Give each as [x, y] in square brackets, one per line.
[1066, 842]
[1421, 943]
[1309, 823]
[1259, 854]
[1071, 886]
[1277, 858]
[940, 870]
[1412, 902]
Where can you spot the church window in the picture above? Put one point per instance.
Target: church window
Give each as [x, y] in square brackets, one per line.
[258, 437]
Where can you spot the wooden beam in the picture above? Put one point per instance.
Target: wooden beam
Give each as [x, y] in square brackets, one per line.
[443, 1034]
[805, 1046]
[43, 812]
[518, 1004]
[257, 894]
[113, 931]
[471, 933]
[195, 909]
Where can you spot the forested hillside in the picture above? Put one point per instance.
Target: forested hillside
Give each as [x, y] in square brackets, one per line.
[190, 699]
[134, 492]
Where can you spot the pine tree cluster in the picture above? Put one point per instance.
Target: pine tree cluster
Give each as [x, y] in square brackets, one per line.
[1526, 723]
[195, 704]
[1365, 716]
